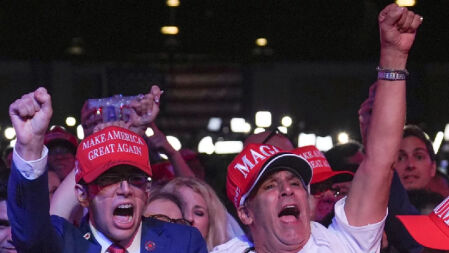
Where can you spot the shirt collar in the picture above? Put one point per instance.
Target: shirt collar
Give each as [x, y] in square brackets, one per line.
[105, 242]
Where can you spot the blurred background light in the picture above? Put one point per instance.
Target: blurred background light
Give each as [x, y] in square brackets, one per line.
[286, 121]
[70, 121]
[174, 142]
[206, 145]
[263, 119]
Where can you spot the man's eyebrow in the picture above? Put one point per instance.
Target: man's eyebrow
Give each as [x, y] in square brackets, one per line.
[4, 222]
[420, 149]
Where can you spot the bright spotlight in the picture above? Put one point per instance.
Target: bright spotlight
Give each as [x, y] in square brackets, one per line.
[282, 129]
[12, 143]
[228, 147]
[406, 3]
[263, 119]
[286, 121]
[206, 145]
[343, 138]
[238, 125]
[170, 30]
[306, 139]
[10, 133]
[438, 140]
[149, 132]
[214, 124]
[173, 3]
[324, 143]
[261, 42]
[70, 121]
[174, 142]
[80, 132]
[446, 132]
[259, 130]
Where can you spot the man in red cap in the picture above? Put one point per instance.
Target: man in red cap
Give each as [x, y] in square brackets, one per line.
[113, 179]
[269, 187]
[61, 150]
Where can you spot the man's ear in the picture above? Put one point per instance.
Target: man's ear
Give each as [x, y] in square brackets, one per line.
[245, 215]
[82, 195]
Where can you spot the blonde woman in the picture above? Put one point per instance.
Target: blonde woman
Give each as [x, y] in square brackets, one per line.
[202, 208]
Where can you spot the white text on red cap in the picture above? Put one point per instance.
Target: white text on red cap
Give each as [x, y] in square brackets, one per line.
[442, 211]
[112, 147]
[246, 164]
[310, 155]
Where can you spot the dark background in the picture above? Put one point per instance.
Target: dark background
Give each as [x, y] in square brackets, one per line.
[317, 68]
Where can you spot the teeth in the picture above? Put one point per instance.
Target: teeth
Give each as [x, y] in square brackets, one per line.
[125, 206]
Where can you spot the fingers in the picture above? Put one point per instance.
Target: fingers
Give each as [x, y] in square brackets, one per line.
[25, 107]
[391, 14]
[416, 22]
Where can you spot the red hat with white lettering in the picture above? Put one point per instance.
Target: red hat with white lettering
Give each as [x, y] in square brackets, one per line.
[257, 160]
[107, 148]
[431, 231]
[321, 168]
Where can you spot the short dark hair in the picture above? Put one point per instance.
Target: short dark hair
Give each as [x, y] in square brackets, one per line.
[338, 156]
[413, 130]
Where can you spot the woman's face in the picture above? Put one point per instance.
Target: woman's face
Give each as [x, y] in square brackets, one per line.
[195, 209]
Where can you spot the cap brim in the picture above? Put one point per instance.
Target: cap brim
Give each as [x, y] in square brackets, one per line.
[339, 176]
[424, 231]
[283, 161]
[88, 178]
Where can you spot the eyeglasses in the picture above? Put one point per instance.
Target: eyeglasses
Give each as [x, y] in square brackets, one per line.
[137, 180]
[165, 218]
[318, 190]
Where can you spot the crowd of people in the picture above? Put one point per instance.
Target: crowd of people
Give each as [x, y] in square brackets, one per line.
[102, 195]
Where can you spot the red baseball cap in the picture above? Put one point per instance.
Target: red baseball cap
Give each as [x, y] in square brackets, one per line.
[59, 134]
[321, 168]
[431, 230]
[107, 148]
[256, 160]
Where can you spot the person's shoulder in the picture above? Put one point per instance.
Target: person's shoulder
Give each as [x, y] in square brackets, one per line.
[167, 227]
[235, 245]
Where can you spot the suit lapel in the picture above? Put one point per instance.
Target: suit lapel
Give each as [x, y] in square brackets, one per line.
[153, 239]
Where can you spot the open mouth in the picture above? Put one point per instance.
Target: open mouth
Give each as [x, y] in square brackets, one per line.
[410, 177]
[123, 214]
[289, 213]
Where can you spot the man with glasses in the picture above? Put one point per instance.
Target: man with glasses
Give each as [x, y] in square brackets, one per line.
[112, 182]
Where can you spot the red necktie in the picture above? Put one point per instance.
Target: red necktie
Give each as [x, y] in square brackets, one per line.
[114, 248]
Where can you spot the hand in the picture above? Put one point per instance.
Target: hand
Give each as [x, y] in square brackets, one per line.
[159, 142]
[89, 118]
[365, 113]
[397, 31]
[145, 110]
[30, 116]
[102, 125]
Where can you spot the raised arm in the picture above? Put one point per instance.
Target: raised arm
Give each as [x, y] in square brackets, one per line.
[368, 198]
[30, 116]
[28, 203]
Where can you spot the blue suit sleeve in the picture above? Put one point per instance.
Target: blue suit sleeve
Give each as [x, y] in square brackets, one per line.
[28, 212]
[397, 235]
[197, 243]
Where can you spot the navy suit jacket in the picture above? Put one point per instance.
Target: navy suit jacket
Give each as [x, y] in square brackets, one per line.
[34, 230]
